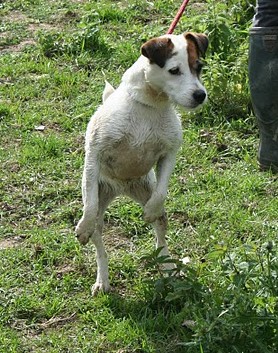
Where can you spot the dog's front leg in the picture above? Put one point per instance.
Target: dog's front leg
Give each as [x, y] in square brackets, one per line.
[154, 207]
[86, 226]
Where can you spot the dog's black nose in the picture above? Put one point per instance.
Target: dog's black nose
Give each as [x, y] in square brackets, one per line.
[199, 95]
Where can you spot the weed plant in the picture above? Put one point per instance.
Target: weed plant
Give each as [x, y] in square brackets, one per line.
[222, 211]
[238, 306]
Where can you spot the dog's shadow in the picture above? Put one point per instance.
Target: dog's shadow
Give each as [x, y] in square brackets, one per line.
[150, 326]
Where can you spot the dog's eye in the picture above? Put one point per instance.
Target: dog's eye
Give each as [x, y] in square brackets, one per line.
[175, 71]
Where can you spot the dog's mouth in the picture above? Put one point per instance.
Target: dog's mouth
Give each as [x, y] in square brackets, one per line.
[192, 102]
[191, 106]
[194, 105]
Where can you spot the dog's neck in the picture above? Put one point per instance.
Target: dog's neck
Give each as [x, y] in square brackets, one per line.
[140, 89]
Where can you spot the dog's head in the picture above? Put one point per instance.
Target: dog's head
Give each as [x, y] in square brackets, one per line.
[174, 67]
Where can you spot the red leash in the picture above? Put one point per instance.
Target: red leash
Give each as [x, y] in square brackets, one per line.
[177, 17]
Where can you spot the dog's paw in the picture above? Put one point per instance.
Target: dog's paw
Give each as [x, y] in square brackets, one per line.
[83, 231]
[100, 287]
[153, 210]
[150, 217]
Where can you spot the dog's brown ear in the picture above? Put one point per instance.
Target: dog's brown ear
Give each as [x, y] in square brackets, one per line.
[158, 50]
[200, 40]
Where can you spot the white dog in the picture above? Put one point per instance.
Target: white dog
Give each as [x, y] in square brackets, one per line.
[135, 130]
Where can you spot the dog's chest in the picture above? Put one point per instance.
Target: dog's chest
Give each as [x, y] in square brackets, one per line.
[132, 151]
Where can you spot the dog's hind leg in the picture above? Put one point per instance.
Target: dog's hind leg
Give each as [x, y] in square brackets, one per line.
[160, 227]
[106, 195]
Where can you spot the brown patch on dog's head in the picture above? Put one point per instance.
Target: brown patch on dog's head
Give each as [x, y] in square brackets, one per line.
[197, 45]
[158, 50]
[199, 40]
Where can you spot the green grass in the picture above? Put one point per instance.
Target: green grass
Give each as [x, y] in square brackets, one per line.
[222, 211]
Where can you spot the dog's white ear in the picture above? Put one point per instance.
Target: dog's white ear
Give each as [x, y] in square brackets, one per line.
[108, 90]
[158, 50]
[200, 40]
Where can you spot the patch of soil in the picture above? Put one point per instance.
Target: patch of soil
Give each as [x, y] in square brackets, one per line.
[57, 321]
[15, 16]
[64, 269]
[115, 238]
[10, 243]
[18, 47]
[32, 27]
[35, 27]
[4, 35]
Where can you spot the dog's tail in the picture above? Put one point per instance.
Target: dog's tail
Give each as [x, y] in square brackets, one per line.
[108, 90]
